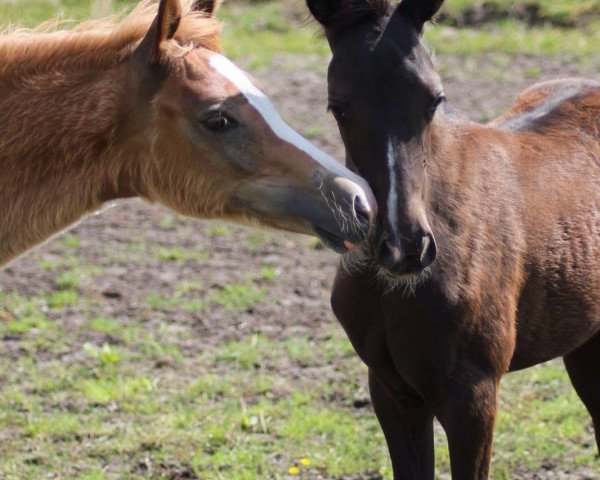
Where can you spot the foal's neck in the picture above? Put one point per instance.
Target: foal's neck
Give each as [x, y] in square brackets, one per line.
[470, 173]
[61, 154]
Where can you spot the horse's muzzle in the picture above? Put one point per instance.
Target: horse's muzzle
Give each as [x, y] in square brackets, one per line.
[407, 257]
[353, 210]
[338, 210]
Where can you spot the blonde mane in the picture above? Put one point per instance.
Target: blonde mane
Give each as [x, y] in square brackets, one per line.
[97, 44]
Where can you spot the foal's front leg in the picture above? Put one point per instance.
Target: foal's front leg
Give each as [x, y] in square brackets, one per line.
[468, 414]
[408, 430]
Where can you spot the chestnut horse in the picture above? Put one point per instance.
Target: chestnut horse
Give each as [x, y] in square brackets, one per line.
[515, 209]
[149, 107]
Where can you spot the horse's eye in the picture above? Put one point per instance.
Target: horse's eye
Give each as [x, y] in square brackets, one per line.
[437, 102]
[337, 112]
[219, 123]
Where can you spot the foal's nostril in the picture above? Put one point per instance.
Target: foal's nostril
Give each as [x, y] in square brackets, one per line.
[389, 255]
[428, 250]
[362, 212]
[410, 258]
[425, 242]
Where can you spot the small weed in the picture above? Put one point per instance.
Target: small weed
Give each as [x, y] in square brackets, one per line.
[247, 353]
[118, 389]
[269, 273]
[68, 241]
[48, 264]
[160, 302]
[195, 305]
[188, 286]
[106, 325]
[533, 72]
[63, 299]
[219, 230]
[106, 355]
[256, 240]
[179, 254]
[68, 280]
[19, 326]
[167, 222]
[313, 131]
[238, 296]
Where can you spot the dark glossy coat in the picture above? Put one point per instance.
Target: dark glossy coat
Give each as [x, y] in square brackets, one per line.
[512, 209]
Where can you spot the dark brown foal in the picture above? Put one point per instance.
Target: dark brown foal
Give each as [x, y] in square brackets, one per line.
[486, 253]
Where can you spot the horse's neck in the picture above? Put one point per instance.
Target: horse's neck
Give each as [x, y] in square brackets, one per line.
[59, 153]
[445, 167]
[472, 182]
[460, 151]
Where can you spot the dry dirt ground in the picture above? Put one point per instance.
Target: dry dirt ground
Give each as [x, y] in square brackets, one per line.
[125, 242]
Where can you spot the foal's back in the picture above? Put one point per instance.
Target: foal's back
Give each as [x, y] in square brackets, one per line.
[557, 130]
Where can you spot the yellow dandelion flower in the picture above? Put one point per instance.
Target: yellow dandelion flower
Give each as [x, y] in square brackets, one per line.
[294, 470]
[305, 462]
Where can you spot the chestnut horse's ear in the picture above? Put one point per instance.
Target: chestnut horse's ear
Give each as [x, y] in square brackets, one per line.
[148, 57]
[167, 22]
[419, 11]
[209, 7]
[163, 28]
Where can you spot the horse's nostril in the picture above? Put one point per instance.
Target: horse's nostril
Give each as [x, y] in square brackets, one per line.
[388, 255]
[410, 258]
[425, 242]
[362, 212]
[428, 250]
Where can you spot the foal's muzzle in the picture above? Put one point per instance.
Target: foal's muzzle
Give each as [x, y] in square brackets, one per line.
[339, 210]
[407, 257]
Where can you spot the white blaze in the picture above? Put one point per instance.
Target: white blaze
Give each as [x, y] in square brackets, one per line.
[266, 109]
[392, 201]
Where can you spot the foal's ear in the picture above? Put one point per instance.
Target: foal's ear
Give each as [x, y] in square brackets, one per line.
[209, 7]
[167, 22]
[337, 15]
[324, 11]
[419, 11]
[163, 28]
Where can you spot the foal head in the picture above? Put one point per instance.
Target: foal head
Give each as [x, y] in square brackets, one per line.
[384, 92]
[220, 147]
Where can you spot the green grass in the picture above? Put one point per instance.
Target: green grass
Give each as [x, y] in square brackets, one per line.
[246, 420]
[238, 296]
[161, 302]
[178, 254]
[109, 410]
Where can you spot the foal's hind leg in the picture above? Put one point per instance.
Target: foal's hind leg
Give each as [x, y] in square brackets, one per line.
[408, 430]
[583, 366]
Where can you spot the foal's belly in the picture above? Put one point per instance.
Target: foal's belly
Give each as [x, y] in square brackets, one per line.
[559, 305]
[556, 317]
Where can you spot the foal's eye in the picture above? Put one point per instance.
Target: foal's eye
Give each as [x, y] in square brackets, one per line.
[437, 102]
[219, 123]
[337, 112]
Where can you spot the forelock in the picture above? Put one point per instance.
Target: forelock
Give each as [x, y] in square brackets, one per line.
[358, 11]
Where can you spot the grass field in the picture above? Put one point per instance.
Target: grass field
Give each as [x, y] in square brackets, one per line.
[143, 345]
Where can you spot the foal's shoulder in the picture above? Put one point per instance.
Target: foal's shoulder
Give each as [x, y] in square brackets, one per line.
[549, 102]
